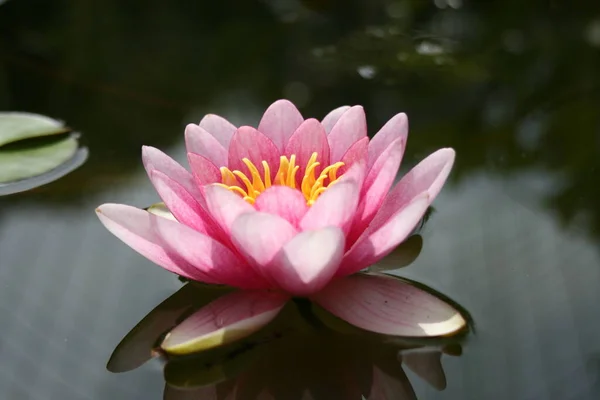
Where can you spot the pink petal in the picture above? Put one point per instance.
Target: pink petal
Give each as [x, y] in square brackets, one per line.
[310, 137]
[249, 143]
[204, 170]
[374, 244]
[356, 173]
[199, 141]
[356, 153]
[225, 320]
[377, 184]
[308, 262]
[183, 205]
[351, 127]
[335, 207]
[260, 236]
[283, 201]
[394, 129]
[135, 228]
[219, 127]
[333, 117]
[428, 176]
[208, 256]
[279, 122]
[389, 306]
[155, 159]
[225, 206]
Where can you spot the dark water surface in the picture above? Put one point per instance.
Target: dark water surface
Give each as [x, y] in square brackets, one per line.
[513, 86]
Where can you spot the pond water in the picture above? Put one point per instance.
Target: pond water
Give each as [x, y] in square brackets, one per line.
[512, 86]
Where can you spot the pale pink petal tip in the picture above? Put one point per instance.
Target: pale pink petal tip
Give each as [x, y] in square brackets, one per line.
[332, 118]
[259, 236]
[280, 121]
[351, 127]
[199, 141]
[390, 306]
[225, 206]
[135, 228]
[227, 319]
[154, 159]
[219, 127]
[435, 170]
[283, 201]
[309, 261]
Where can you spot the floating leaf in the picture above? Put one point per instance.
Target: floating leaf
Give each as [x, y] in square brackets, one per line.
[16, 126]
[35, 150]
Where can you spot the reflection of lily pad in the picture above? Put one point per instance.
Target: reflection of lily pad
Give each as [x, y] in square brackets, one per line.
[35, 150]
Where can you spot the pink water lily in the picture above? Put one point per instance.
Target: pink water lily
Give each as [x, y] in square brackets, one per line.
[294, 205]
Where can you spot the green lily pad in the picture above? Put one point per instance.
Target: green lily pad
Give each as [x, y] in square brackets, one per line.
[35, 150]
[24, 163]
[16, 126]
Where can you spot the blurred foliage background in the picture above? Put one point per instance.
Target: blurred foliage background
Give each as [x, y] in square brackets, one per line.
[512, 85]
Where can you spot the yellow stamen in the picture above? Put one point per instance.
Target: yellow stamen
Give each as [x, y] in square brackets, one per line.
[227, 177]
[257, 182]
[245, 181]
[311, 187]
[267, 174]
[235, 189]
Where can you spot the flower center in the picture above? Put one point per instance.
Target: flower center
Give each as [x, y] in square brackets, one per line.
[311, 186]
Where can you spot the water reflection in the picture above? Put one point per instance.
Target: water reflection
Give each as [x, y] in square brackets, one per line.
[309, 365]
[303, 352]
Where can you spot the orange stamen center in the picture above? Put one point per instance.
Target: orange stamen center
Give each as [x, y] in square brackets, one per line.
[311, 186]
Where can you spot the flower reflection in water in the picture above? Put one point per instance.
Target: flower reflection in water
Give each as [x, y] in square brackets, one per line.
[304, 352]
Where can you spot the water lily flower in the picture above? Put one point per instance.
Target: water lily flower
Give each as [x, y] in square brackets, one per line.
[293, 207]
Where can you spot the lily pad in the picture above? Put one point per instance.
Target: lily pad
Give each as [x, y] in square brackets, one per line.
[35, 150]
[15, 126]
